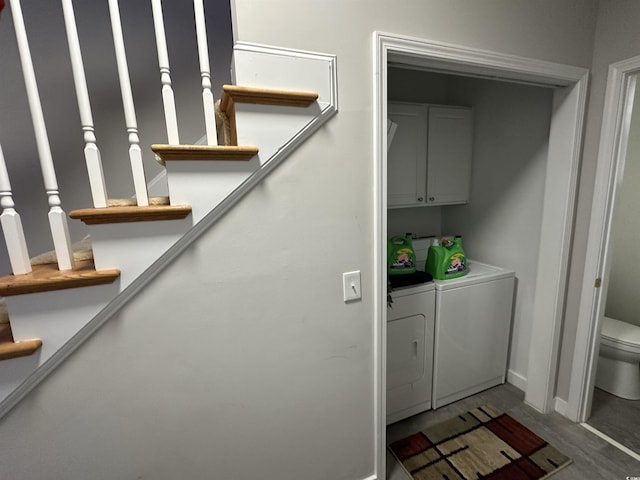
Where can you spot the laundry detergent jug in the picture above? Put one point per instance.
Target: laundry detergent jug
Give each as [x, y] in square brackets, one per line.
[446, 259]
[401, 259]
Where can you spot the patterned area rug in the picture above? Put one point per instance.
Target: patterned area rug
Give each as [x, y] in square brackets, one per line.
[483, 443]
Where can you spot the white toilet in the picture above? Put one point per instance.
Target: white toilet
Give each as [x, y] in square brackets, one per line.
[619, 362]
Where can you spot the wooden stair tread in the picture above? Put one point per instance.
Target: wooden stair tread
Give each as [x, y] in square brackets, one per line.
[46, 278]
[265, 96]
[97, 216]
[11, 349]
[232, 94]
[205, 152]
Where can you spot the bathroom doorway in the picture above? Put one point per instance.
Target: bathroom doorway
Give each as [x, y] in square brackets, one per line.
[618, 160]
[613, 416]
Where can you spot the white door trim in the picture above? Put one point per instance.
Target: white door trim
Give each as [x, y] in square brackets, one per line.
[559, 199]
[614, 133]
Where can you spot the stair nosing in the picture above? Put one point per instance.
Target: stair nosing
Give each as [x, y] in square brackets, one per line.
[47, 278]
[23, 348]
[267, 96]
[205, 152]
[127, 214]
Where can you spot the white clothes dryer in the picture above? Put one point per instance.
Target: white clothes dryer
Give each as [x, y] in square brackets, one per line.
[410, 330]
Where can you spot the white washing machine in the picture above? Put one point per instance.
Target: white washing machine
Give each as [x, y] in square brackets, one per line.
[410, 331]
[472, 330]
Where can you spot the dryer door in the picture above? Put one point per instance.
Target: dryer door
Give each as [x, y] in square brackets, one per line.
[405, 350]
[409, 354]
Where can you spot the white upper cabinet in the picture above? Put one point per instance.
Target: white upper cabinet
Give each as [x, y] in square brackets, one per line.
[406, 165]
[429, 160]
[449, 155]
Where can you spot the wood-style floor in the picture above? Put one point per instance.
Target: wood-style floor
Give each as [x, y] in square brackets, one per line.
[616, 417]
[593, 458]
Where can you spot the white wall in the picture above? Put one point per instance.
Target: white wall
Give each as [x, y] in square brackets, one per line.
[223, 378]
[268, 372]
[501, 223]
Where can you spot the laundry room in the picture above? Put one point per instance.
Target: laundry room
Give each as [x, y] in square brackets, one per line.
[492, 200]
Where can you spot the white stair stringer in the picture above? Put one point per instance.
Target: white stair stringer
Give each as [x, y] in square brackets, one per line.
[64, 319]
[133, 247]
[54, 316]
[275, 130]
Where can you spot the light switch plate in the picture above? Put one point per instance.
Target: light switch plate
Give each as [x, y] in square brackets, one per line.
[351, 286]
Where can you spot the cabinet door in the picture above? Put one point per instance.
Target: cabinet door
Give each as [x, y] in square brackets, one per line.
[407, 156]
[449, 154]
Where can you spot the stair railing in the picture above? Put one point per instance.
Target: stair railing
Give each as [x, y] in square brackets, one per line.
[135, 153]
[205, 73]
[91, 151]
[9, 219]
[12, 225]
[168, 99]
[57, 216]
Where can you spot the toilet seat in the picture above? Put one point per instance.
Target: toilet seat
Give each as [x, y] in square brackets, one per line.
[621, 335]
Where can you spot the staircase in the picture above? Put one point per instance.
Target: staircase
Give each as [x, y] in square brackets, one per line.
[281, 97]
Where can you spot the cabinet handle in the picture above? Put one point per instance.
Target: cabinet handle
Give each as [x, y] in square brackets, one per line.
[415, 349]
[420, 199]
[432, 199]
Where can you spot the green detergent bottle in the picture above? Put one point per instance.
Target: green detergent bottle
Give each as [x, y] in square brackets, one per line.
[446, 259]
[401, 258]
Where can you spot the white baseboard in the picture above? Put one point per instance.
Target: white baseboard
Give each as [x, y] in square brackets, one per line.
[517, 380]
[560, 406]
[520, 382]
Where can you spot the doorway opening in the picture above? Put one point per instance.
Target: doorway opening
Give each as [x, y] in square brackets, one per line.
[569, 95]
[614, 142]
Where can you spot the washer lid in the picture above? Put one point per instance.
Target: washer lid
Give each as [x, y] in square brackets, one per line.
[478, 272]
[621, 332]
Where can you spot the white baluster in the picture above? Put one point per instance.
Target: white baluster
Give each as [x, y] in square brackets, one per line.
[205, 74]
[168, 100]
[135, 153]
[57, 217]
[91, 151]
[12, 225]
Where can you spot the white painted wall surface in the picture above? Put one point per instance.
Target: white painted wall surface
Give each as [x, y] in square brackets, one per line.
[266, 373]
[616, 38]
[501, 223]
[236, 371]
